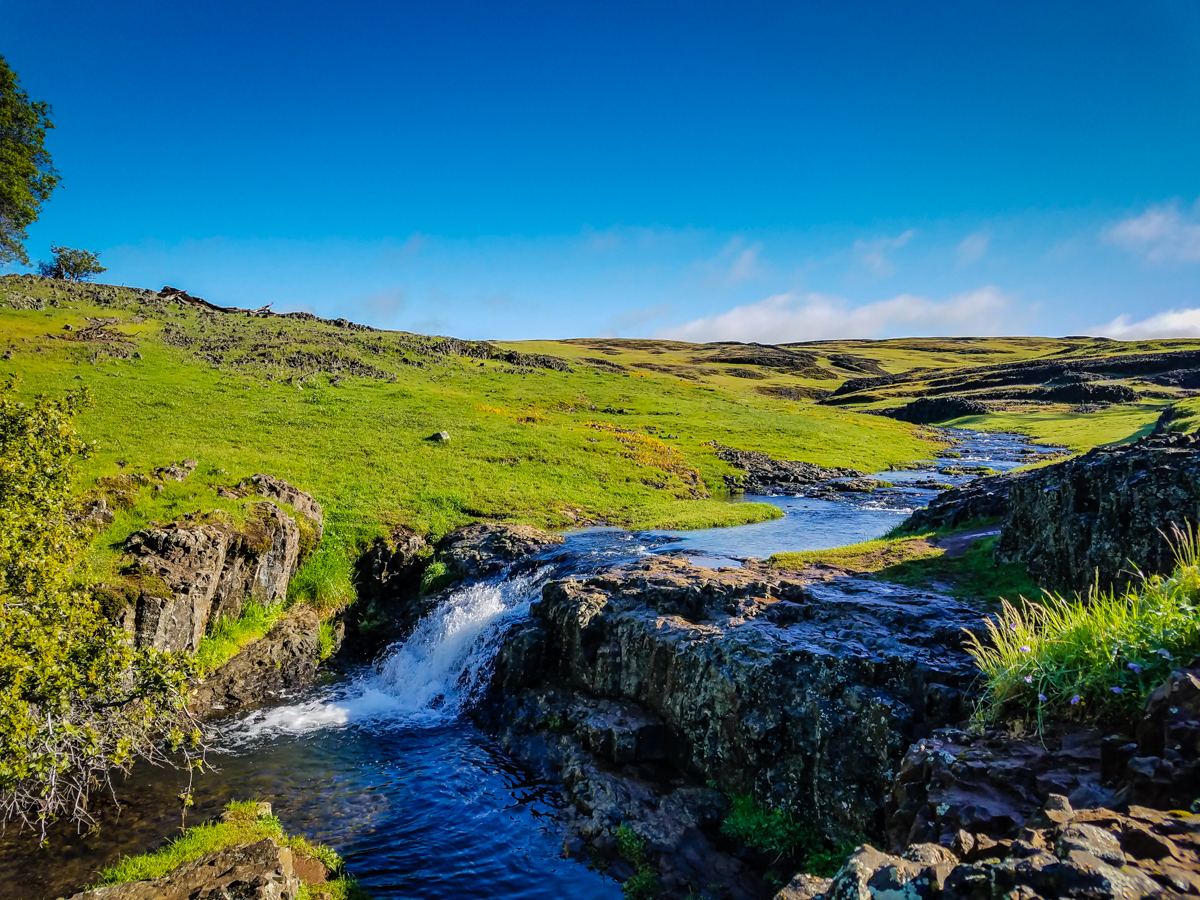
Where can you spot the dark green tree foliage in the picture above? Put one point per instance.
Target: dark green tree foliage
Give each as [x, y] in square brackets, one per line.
[77, 701]
[27, 175]
[71, 265]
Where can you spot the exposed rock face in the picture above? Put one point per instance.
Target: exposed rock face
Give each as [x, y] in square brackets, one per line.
[1164, 771]
[805, 694]
[388, 579]
[983, 498]
[282, 661]
[1096, 854]
[276, 489]
[1102, 511]
[936, 409]
[258, 871]
[765, 475]
[988, 785]
[476, 551]
[191, 572]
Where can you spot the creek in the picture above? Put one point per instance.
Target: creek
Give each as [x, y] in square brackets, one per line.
[382, 764]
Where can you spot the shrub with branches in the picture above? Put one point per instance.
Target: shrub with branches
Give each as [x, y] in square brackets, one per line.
[77, 701]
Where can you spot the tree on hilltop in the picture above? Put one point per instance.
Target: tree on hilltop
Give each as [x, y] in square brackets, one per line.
[27, 175]
[78, 702]
[71, 265]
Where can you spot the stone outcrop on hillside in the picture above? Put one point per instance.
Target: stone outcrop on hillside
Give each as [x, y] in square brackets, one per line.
[806, 695]
[185, 575]
[1100, 515]
[936, 409]
[262, 870]
[766, 475]
[982, 498]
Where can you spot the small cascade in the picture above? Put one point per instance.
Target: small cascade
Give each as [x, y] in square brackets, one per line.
[426, 679]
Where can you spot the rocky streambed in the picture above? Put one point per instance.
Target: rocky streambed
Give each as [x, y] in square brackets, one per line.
[522, 723]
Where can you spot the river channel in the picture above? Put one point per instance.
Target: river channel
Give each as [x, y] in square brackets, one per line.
[382, 764]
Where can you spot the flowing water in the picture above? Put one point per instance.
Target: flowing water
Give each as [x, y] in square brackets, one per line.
[381, 763]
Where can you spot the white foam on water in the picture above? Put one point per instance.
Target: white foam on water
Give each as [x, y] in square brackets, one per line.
[428, 678]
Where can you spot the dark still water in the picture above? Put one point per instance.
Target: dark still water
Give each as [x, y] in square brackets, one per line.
[382, 765]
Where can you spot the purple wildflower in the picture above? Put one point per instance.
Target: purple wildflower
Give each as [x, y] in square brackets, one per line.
[1041, 698]
[1029, 679]
[1135, 668]
[1075, 700]
[1117, 690]
[1024, 648]
[1163, 653]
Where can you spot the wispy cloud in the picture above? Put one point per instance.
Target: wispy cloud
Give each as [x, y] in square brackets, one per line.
[973, 248]
[634, 318]
[808, 317]
[736, 262]
[1161, 233]
[873, 254]
[1175, 323]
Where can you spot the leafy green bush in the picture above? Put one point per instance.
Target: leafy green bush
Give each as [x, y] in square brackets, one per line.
[77, 701]
[631, 847]
[435, 577]
[777, 832]
[1093, 656]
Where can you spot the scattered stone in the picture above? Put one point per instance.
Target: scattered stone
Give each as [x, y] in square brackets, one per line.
[439, 436]
[482, 549]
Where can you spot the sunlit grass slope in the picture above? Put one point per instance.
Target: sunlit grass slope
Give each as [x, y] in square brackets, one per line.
[243, 394]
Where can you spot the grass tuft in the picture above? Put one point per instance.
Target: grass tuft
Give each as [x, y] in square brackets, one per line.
[326, 578]
[241, 825]
[778, 833]
[228, 636]
[1095, 656]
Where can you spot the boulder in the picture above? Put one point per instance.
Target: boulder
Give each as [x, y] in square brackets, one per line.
[1164, 771]
[262, 870]
[276, 489]
[1101, 515]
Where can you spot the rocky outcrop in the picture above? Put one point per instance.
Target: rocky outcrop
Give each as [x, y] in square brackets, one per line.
[936, 409]
[766, 475]
[180, 577]
[184, 575]
[1102, 514]
[282, 661]
[1097, 854]
[982, 498]
[806, 695]
[262, 870]
[482, 549]
[1163, 768]
[276, 489]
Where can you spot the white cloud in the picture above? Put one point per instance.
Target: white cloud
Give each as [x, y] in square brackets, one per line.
[1161, 233]
[873, 254]
[735, 263]
[783, 318]
[973, 248]
[1175, 323]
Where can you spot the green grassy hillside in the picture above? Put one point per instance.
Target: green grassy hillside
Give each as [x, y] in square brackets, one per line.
[557, 433]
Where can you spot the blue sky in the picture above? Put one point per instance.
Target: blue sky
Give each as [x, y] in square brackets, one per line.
[764, 171]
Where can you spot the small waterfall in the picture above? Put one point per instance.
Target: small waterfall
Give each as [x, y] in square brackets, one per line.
[428, 678]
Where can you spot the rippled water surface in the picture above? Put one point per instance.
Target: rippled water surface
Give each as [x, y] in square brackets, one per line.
[381, 764]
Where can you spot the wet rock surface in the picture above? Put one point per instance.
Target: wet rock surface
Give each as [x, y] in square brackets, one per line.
[983, 498]
[1093, 516]
[639, 684]
[262, 870]
[476, 551]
